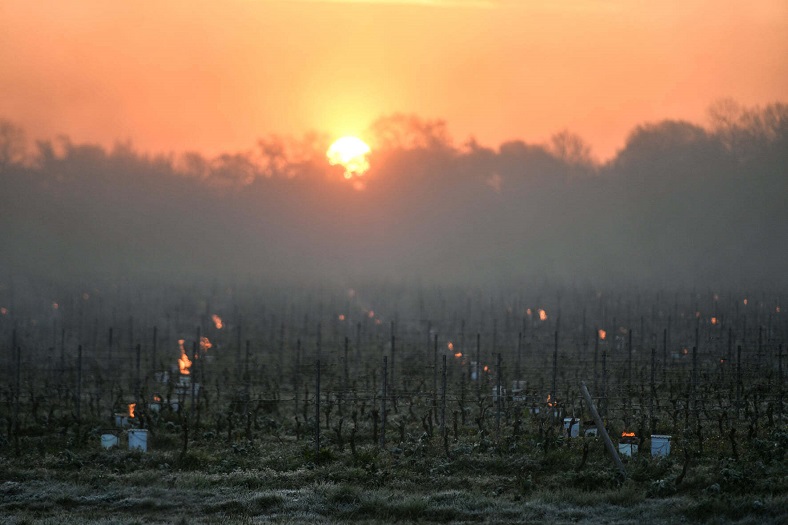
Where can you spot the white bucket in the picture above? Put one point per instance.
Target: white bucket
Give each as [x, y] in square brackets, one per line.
[628, 449]
[572, 427]
[591, 432]
[154, 407]
[109, 440]
[121, 420]
[660, 445]
[138, 439]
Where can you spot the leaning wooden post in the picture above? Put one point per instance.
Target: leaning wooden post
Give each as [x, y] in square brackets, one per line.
[443, 400]
[601, 429]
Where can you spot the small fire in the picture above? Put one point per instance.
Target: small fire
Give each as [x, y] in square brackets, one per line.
[713, 320]
[486, 368]
[371, 314]
[550, 401]
[777, 309]
[685, 351]
[450, 346]
[458, 355]
[626, 434]
[4, 310]
[217, 322]
[529, 312]
[542, 315]
[341, 317]
[602, 334]
[184, 363]
[723, 361]
[55, 306]
[205, 344]
[157, 398]
[745, 302]
[131, 409]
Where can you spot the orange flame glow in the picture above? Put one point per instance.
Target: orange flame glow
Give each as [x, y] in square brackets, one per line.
[217, 322]
[371, 314]
[777, 309]
[157, 399]
[529, 312]
[486, 368]
[542, 315]
[745, 302]
[627, 434]
[602, 334]
[4, 310]
[550, 401]
[713, 320]
[458, 355]
[450, 346]
[341, 317]
[131, 409]
[205, 344]
[184, 363]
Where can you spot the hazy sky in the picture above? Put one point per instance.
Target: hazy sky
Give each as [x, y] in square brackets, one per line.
[214, 76]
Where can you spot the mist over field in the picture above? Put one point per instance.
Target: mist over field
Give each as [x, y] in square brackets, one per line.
[679, 205]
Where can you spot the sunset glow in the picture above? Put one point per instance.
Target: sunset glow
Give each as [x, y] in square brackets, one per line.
[350, 153]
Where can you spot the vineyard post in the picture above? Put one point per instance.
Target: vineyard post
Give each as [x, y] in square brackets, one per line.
[317, 411]
[443, 402]
[138, 380]
[498, 398]
[347, 371]
[738, 381]
[603, 403]
[519, 355]
[435, 376]
[17, 354]
[596, 356]
[154, 348]
[383, 402]
[478, 365]
[653, 389]
[554, 389]
[780, 384]
[600, 425]
[79, 388]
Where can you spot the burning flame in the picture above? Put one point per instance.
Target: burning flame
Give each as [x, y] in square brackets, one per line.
[486, 368]
[713, 320]
[602, 334]
[458, 355]
[351, 153]
[745, 302]
[450, 346]
[131, 409]
[341, 317]
[529, 312]
[777, 309]
[184, 363]
[205, 344]
[684, 351]
[371, 314]
[550, 401]
[542, 315]
[626, 434]
[157, 398]
[217, 322]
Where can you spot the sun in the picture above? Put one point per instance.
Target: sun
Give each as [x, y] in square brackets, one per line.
[350, 153]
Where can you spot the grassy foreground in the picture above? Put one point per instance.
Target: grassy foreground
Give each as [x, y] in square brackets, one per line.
[280, 481]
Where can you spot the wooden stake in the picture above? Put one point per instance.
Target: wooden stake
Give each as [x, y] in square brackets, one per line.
[611, 449]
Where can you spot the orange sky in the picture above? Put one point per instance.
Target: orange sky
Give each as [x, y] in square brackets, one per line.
[214, 76]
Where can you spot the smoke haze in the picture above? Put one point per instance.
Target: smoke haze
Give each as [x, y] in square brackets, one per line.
[678, 205]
